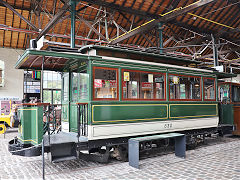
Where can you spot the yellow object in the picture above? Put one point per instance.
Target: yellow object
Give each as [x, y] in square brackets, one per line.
[215, 22]
[233, 59]
[6, 119]
[2, 128]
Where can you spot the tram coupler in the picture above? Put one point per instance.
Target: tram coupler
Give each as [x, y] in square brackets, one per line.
[15, 147]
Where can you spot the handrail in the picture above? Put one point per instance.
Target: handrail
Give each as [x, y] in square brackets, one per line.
[81, 103]
[34, 104]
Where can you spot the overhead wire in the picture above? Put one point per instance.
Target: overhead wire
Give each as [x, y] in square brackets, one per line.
[209, 20]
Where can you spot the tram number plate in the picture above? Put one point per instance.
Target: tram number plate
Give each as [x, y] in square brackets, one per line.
[168, 125]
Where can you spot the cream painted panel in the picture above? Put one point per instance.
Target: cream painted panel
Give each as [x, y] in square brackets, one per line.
[133, 129]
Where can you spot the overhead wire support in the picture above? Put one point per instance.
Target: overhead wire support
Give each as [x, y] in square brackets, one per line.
[164, 18]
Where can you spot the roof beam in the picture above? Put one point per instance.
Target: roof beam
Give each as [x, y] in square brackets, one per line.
[6, 28]
[165, 18]
[18, 14]
[17, 7]
[77, 11]
[54, 20]
[114, 6]
[91, 27]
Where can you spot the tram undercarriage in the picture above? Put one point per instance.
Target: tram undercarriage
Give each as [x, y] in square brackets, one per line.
[64, 146]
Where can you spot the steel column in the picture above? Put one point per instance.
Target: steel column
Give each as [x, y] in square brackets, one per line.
[73, 13]
[41, 92]
[215, 52]
[160, 30]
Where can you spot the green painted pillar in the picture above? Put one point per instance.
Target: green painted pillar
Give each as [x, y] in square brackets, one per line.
[73, 13]
[160, 30]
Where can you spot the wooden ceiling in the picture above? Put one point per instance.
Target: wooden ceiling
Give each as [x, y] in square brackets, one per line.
[188, 34]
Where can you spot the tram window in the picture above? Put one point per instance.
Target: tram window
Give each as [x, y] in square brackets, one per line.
[224, 93]
[131, 81]
[184, 87]
[79, 86]
[209, 88]
[74, 87]
[105, 83]
[236, 93]
[83, 86]
[65, 86]
[143, 85]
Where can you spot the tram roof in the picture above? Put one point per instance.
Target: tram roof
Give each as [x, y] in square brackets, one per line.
[144, 54]
[55, 61]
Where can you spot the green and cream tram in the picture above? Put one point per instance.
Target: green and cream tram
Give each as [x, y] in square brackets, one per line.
[110, 95]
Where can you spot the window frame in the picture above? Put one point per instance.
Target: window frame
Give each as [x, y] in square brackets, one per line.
[51, 89]
[200, 99]
[214, 89]
[140, 99]
[117, 84]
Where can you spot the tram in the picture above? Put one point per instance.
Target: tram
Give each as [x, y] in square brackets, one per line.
[111, 94]
[229, 101]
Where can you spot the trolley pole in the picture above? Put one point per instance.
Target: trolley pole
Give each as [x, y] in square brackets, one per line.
[43, 162]
[73, 13]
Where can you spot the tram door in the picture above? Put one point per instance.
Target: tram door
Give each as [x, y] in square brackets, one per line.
[79, 93]
[65, 103]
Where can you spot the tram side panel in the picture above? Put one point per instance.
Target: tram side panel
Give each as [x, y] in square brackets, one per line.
[123, 120]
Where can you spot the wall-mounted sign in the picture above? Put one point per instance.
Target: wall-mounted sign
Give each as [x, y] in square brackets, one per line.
[146, 85]
[97, 83]
[175, 79]
[126, 76]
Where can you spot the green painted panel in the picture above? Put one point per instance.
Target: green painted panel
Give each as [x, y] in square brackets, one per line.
[226, 113]
[114, 113]
[31, 128]
[192, 110]
[73, 119]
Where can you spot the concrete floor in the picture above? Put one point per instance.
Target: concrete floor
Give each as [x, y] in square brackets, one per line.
[218, 160]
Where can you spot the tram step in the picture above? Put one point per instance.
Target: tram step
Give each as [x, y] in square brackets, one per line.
[65, 158]
[63, 152]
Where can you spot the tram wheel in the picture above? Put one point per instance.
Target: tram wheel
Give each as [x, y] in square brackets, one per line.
[2, 128]
[120, 153]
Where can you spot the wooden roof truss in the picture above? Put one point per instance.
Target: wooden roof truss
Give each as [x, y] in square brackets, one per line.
[188, 32]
